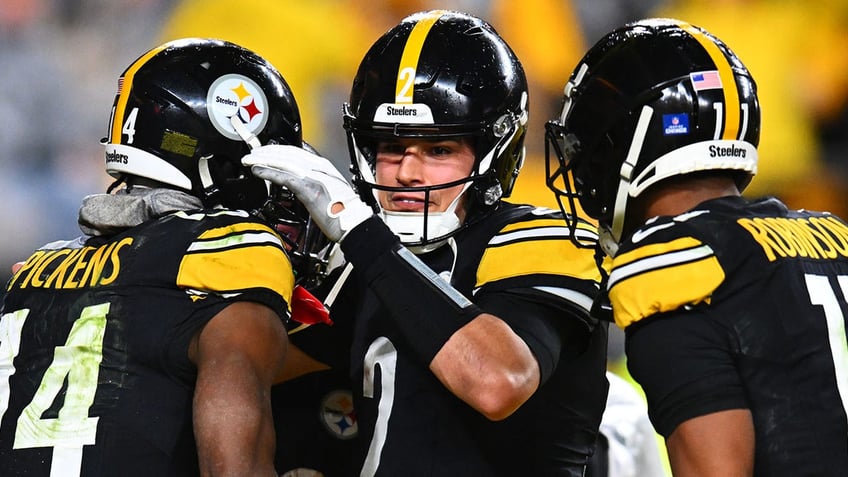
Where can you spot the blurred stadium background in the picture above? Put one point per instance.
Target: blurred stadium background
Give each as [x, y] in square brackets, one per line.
[60, 59]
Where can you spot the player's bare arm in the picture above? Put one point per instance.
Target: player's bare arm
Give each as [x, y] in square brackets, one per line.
[238, 354]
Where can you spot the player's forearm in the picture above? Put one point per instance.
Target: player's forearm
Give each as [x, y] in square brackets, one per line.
[234, 428]
[426, 309]
[476, 355]
[720, 444]
[238, 355]
[488, 366]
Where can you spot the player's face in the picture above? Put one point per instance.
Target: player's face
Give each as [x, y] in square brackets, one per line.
[290, 235]
[415, 162]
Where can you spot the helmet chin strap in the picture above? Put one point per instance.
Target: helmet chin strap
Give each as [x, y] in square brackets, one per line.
[205, 174]
[248, 137]
[608, 244]
[610, 236]
[245, 135]
[409, 226]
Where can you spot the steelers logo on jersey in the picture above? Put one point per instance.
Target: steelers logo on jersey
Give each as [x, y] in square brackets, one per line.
[338, 415]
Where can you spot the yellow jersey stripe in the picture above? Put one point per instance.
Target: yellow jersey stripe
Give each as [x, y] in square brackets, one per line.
[121, 104]
[666, 260]
[732, 108]
[665, 289]
[528, 257]
[235, 235]
[242, 239]
[583, 228]
[534, 223]
[557, 222]
[653, 249]
[535, 233]
[237, 269]
[409, 59]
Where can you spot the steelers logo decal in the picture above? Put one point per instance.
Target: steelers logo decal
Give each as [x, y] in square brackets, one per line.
[338, 415]
[236, 96]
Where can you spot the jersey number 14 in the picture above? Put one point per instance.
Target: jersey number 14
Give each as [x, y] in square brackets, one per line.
[78, 360]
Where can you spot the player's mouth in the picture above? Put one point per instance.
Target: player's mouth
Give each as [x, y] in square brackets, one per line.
[407, 202]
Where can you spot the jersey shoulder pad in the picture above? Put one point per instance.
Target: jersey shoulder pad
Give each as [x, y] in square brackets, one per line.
[665, 265]
[534, 241]
[233, 252]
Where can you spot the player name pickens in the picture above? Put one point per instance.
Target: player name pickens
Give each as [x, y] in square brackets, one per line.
[71, 267]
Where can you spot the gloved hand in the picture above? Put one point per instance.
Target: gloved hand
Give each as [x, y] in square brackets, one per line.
[316, 182]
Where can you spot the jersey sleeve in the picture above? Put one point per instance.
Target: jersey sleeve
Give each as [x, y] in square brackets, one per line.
[244, 261]
[685, 364]
[661, 287]
[537, 254]
[667, 269]
[536, 280]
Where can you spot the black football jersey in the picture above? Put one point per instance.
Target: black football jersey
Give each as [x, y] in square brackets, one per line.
[742, 305]
[519, 265]
[94, 372]
[316, 423]
[314, 415]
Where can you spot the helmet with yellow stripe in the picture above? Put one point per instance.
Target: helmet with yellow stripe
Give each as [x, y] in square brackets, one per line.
[187, 111]
[440, 74]
[651, 100]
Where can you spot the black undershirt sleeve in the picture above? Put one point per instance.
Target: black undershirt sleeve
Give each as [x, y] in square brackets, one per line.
[548, 330]
[684, 362]
[426, 309]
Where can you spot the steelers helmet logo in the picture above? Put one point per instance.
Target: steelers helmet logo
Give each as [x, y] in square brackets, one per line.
[338, 415]
[238, 96]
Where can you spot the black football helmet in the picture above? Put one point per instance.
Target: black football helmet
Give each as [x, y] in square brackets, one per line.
[187, 111]
[651, 100]
[439, 74]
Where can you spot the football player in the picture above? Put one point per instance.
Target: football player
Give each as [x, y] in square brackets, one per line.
[149, 345]
[472, 348]
[733, 309]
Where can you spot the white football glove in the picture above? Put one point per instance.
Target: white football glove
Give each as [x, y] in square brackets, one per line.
[317, 184]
